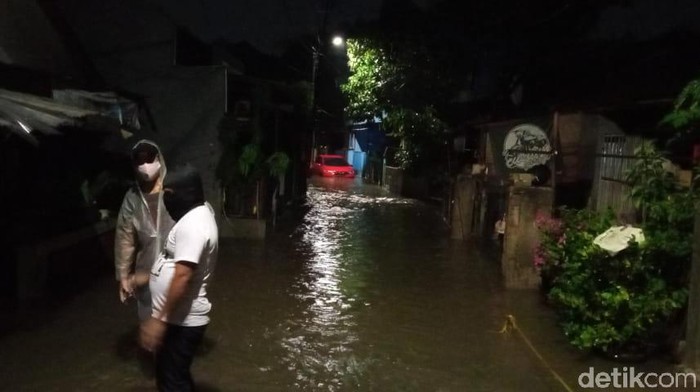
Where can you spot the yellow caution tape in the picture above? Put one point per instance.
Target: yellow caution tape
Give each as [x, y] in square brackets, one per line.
[511, 325]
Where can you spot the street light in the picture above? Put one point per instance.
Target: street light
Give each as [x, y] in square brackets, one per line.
[318, 51]
[314, 76]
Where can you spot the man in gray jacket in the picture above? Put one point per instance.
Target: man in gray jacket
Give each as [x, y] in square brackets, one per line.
[142, 225]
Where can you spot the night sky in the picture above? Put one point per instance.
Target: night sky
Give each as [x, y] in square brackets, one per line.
[645, 19]
[272, 24]
[267, 24]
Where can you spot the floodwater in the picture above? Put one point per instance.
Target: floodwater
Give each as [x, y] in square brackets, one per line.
[367, 293]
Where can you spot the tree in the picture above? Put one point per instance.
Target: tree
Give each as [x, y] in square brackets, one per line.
[365, 88]
[420, 135]
[684, 121]
[430, 64]
[379, 86]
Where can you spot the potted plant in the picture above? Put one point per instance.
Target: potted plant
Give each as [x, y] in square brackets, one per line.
[241, 183]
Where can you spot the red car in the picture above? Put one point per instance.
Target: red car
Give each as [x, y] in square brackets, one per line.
[332, 166]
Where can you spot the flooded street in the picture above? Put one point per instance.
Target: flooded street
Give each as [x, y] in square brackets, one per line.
[366, 294]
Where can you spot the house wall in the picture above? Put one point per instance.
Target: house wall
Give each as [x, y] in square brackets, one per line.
[572, 160]
[356, 157]
[575, 137]
[187, 105]
[126, 40]
[132, 45]
[28, 39]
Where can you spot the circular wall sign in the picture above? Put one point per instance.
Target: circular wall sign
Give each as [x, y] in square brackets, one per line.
[525, 147]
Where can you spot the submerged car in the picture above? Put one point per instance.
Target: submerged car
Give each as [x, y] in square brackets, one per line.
[332, 166]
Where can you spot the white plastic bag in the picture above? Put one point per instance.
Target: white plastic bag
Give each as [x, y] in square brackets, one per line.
[617, 238]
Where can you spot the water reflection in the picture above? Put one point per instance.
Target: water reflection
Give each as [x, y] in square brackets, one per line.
[330, 242]
[366, 294]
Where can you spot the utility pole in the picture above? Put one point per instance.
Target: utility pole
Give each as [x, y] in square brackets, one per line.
[314, 110]
[318, 49]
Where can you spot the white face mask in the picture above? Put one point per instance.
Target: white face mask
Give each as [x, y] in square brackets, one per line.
[149, 171]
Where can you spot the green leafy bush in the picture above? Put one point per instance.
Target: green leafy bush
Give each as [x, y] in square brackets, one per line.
[567, 238]
[610, 301]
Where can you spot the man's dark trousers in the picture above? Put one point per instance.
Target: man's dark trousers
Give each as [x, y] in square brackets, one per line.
[175, 356]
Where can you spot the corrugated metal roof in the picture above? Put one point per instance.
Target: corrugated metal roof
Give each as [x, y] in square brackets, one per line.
[25, 114]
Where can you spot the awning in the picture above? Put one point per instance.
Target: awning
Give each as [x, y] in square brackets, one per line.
[25, 114]
[107, 103]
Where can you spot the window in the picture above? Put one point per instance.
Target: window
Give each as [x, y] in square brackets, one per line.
[335, 162]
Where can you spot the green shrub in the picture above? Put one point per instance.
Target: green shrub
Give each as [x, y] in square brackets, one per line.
[608, 301]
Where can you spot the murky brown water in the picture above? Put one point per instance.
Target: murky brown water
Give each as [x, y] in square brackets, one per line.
[367, 294]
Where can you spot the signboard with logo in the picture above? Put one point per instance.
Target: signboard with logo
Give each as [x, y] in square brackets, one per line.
[526, 146]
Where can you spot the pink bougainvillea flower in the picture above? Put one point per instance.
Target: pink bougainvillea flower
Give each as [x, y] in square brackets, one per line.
[547, 224]
[538, 257]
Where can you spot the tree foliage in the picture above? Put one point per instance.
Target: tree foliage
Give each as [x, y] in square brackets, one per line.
[370, 71]
[379, 86]
[684, 122]
[419, 134]
[686, 110]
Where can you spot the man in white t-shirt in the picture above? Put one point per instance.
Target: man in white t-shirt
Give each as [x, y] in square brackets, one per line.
[179, 280]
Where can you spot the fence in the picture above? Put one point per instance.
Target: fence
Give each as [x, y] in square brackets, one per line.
[614, 159]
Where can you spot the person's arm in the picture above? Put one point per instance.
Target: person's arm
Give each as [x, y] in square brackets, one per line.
[178, 287]
[152, 330]
[139, 279]
[124, 247]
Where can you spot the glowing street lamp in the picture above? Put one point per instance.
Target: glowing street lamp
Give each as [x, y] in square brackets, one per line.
[318, 51]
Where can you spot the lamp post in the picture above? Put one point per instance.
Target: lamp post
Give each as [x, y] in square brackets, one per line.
[314, 93]
[317, 51]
